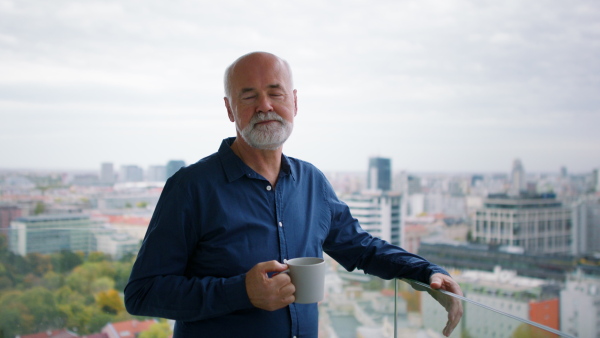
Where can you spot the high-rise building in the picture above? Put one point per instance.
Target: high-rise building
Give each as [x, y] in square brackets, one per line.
[379, 176]
[518, 183]
[50, 233]
[586, 225]
[157, 173]
[173, 166]
[107, 173]
[131, 173]
[538, 224]
[379, 213]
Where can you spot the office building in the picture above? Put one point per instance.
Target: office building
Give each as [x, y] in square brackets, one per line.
[156, 173]
[586, 225]
[379, 213]
[517, 183]
[379, 176]
[50, 233]
[173, 166]
[115, 244]
[536, 223]
[107, 173]
[131, 173]
[580, 306]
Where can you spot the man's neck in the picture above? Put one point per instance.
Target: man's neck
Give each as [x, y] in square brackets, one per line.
[265, 162]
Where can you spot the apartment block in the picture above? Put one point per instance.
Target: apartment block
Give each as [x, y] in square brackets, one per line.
[50, 233]
[536, 223]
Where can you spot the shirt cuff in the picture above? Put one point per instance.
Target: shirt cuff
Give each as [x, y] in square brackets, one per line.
[236, 294]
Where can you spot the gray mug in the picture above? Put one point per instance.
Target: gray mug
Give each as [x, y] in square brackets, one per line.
[308, 276]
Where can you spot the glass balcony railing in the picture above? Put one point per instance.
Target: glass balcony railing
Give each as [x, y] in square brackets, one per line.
[82, 294]
[357, 305]
[478, 320]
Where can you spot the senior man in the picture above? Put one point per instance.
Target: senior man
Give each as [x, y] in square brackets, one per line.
[213, 250]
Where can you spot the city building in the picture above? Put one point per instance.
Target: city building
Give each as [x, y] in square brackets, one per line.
[580, 306]
[8, 212]
[586, 225]
[50, 233]
[127, 329]
[517, 183]
[173, 166]
[107, 173]
[379, 176]
[131, 173]
[536, 223]
[379, 213]
[156, 173]
[115, 244]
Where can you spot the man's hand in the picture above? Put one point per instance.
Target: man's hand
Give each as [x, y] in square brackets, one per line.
[451, 304]
[269, 293]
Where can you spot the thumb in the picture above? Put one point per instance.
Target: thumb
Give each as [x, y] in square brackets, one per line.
[435, 281]
[273, 266]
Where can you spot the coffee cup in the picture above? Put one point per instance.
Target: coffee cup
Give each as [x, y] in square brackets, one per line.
[308, 276]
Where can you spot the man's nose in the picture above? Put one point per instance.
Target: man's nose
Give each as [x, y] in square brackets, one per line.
[264, 104]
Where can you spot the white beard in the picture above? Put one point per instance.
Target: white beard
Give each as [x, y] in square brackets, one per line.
[266, 137]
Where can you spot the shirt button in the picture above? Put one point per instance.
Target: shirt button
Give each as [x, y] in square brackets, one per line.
[269, 188]
[280, 224]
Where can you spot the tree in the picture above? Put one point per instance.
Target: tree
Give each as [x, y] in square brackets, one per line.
[39, 208]
[65, 261]
[39, 264]
[110, 301]
[41, 305]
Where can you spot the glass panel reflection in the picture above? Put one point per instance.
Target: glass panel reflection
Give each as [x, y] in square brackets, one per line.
[479, 320]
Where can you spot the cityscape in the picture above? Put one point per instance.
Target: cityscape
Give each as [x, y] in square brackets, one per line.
[524, 243]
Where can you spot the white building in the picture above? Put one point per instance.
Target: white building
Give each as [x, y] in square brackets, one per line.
[379, 213]
[580, 306]
[586, 225]
[538, 224]
[110, 242]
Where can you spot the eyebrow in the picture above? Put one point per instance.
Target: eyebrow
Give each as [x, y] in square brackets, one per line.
[249, 89]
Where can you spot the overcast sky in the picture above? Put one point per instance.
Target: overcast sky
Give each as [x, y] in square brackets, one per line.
[444, 86]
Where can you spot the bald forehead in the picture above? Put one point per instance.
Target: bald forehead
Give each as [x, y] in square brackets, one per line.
[255, 66]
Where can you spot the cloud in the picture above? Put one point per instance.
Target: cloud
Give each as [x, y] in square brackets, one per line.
[394, 77]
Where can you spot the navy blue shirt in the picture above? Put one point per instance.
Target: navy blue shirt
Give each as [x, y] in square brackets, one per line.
[218, 218]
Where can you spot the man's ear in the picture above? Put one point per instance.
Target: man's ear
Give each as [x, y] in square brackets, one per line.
[295, 103]
[229, 111]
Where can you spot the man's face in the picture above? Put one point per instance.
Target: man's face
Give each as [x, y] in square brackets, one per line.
[262, 103]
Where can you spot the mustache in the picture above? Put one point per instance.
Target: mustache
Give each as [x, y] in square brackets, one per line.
[268, 116]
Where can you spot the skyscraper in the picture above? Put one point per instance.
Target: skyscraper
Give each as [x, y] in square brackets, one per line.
[173, 166]
[517, 178]
[379, 176]
[107, 173]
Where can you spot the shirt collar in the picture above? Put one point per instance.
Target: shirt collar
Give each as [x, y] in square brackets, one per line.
[235, 168]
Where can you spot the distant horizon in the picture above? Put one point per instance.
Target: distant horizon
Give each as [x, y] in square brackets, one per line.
[357, 171]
